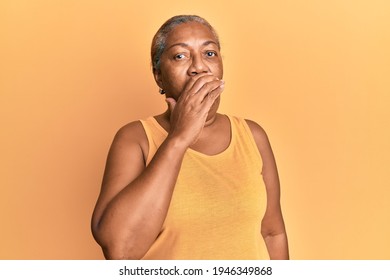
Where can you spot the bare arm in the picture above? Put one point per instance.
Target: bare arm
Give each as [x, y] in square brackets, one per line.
[272, 226]
[134, 199]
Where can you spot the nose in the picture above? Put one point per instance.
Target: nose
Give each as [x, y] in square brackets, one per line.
[197, 66]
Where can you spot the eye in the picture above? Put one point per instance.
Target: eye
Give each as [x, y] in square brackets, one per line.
[179, 56]
[211, 53]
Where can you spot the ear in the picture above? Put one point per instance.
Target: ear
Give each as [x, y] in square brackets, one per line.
[157, 77]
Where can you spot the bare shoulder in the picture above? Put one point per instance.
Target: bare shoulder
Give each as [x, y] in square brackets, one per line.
[128, 152]
[126, 156]
[264, 146]
[133, 131]
[259, 135]
[132, 134]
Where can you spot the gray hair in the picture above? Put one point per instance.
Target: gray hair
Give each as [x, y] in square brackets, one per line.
[160, 38]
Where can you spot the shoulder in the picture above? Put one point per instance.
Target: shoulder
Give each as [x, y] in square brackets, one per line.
[132, 131]
[258, 132]
[262, 141]
[131, 135]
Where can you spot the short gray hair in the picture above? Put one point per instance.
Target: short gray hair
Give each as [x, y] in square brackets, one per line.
[160, 38]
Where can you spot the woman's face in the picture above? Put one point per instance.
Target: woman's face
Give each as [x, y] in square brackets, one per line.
[191, 49]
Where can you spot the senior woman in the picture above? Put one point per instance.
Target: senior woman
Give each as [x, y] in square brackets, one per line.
[190, 183]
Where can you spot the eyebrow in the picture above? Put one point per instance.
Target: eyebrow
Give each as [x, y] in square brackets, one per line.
[186, 45]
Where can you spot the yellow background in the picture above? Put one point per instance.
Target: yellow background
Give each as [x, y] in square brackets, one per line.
[314, 74]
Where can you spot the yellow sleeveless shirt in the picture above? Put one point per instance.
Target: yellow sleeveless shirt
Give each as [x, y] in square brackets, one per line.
[218, 201]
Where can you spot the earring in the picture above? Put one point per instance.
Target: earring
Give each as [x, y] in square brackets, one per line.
[162, 91]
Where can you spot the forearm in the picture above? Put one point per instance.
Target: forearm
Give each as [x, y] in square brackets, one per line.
[277, 246]
[133, 218]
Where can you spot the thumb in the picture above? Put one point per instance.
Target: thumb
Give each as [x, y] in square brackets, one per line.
[171, 103]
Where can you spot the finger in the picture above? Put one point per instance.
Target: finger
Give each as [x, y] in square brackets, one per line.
[210, 98]
[196, 82]
[201, 82]
[208, 88]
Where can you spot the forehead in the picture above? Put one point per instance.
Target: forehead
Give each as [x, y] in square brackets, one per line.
[190, 31]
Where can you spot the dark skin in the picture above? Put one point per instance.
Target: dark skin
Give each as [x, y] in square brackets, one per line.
[134, 198]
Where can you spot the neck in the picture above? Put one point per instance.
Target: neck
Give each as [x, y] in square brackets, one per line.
[166, 116]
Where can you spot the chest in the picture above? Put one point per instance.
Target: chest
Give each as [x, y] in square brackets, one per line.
[214, 140]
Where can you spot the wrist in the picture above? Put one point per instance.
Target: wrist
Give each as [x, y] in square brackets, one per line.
[176, 143]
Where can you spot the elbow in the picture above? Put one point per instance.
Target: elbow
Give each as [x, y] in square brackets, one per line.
[118, 243]
[116, 248]
[121, 251]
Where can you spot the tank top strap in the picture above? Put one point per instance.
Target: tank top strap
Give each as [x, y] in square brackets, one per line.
[245, 143]
[155, 135]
